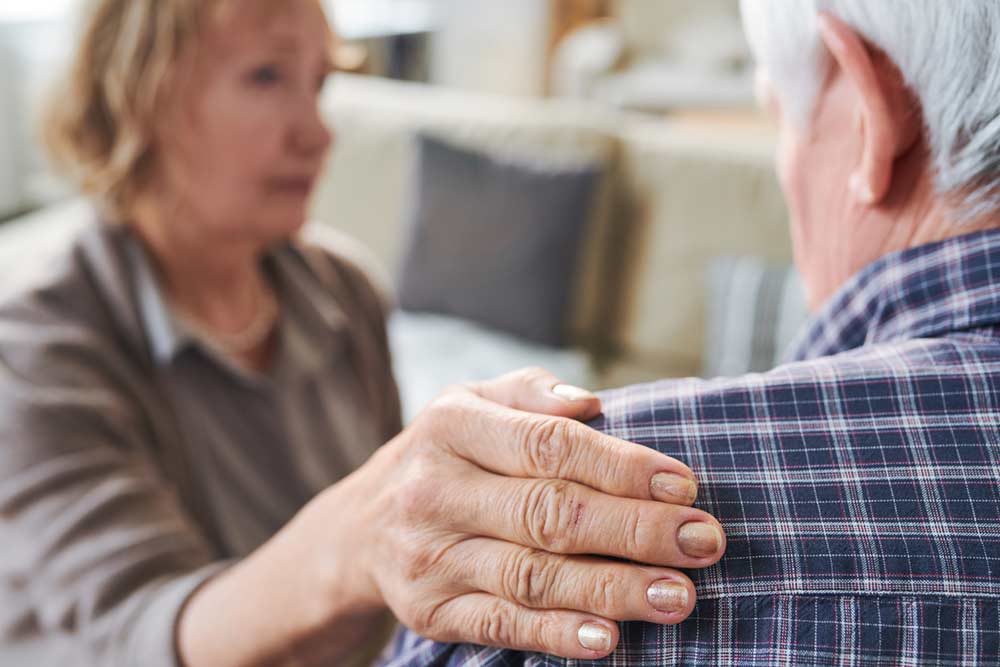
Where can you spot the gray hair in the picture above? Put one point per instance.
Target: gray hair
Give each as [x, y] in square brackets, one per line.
[948, 53]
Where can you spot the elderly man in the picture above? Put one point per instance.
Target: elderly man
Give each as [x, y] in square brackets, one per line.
[859, 485]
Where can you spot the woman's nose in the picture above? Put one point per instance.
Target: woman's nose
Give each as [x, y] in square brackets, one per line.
[312, 135]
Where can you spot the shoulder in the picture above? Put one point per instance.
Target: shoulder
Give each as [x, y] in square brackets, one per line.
[814, 449]
[39, 253]
[340, 261]
[54, 359]
[834, 387]
[71, 398]
[47, 294]
[61, 332]
[62, 265]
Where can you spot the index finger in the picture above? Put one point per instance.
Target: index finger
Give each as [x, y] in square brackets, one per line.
[522, 444]
[539, 391]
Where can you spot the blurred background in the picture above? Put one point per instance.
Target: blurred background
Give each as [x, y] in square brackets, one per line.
[626, 225]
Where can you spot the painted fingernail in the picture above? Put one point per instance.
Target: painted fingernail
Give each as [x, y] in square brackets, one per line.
[594, 637]
[667, 595]
[698, 539]
[669, 488]
[570, 393]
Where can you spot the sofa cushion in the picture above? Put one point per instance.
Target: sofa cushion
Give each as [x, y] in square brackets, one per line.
[433, 352]
[677, 192]
[495, 242]
[366, 187]
[704, 191]
[755, 309]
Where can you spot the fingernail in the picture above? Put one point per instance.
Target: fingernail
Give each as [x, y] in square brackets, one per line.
[570, 393]
[594, 637]
[669, 488]
[667, 595]
[699, 539]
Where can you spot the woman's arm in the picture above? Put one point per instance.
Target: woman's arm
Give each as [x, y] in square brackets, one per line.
[273, 609]
[472, 525]
[109, 554]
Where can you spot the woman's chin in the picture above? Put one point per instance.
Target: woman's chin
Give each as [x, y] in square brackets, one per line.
[286, 220]
[266, 231]
[288, 229]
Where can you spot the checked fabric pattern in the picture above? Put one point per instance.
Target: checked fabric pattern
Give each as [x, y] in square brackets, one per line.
[859, 485]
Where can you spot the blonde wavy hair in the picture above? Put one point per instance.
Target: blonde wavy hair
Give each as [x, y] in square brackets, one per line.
[99, 125]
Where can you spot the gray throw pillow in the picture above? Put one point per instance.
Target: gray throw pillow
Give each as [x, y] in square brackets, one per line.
[495, 242]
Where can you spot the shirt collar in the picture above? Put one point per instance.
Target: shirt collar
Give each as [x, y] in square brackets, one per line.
[166, 333]
[923, 292]
[311, 315]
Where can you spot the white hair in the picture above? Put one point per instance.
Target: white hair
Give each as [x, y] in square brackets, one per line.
[948, 52]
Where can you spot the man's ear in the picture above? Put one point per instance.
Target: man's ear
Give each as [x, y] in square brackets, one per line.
[886, 107]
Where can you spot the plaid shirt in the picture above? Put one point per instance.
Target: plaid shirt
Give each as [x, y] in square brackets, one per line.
[859, 485]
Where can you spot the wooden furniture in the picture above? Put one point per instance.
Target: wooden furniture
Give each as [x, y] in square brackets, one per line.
[567, 16]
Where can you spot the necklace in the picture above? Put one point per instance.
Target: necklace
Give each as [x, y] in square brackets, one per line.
[250, 337]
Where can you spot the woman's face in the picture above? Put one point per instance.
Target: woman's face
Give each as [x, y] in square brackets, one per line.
[242, 142]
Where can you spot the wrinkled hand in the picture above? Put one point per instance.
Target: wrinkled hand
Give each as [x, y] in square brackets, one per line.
[494, 519]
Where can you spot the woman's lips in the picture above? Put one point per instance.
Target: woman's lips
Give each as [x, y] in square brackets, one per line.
[295, 186]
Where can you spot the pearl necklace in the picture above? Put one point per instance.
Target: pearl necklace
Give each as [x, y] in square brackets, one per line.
[249, 338]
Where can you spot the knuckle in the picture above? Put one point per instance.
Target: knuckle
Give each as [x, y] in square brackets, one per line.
[606, 594]
[547, 631]
[443, 410]
[534, 374]
[498, 627]
[422, 618]
[547, 446]
[622, 463]
[431, 561]
[415, 561]
[461, 388]
[637, 535]
[550, 515]
[529, 578]
[417, 497]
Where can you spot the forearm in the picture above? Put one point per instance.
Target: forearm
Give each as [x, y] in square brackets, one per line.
[275, 608]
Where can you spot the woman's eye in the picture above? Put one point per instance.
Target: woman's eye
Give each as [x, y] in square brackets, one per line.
[265, 75]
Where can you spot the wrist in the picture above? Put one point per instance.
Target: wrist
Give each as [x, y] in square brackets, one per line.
[332, 537]
[297, 600]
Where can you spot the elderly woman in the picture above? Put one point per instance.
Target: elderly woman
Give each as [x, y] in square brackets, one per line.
[860, 485]
[193, 402]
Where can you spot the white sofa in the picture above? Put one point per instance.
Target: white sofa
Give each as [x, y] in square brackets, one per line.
[678, 194]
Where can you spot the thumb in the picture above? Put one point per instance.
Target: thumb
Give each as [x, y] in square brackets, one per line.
[539, 391]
